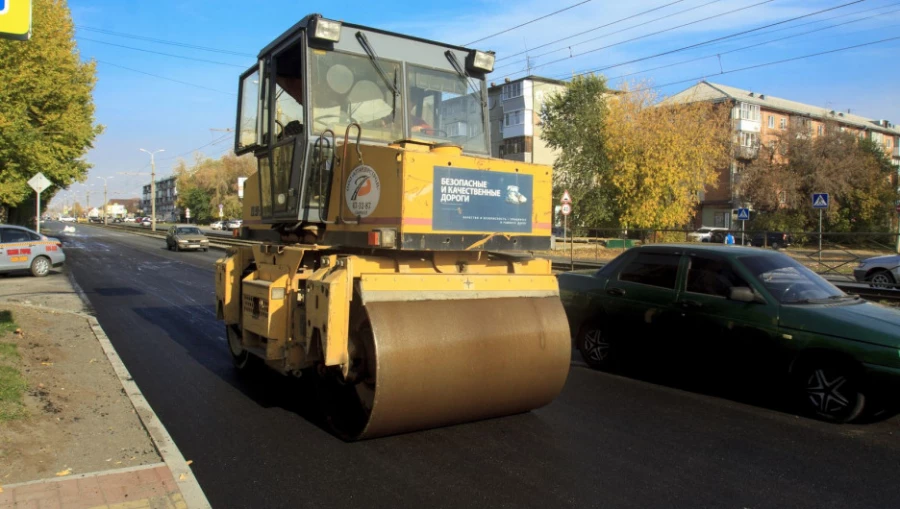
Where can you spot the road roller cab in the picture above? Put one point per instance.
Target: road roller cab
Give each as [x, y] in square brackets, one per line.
[394, 262]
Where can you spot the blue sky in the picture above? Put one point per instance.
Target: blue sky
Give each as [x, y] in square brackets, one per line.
[141, 111]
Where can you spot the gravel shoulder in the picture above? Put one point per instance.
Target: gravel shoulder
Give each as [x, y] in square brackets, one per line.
[77, 417]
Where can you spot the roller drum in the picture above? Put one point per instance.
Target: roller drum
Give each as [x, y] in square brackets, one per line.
[445, 362]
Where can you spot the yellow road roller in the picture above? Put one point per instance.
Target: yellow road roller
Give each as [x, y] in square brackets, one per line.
[393, 262]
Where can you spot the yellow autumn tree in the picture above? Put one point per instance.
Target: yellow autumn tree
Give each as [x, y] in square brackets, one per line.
[662, 155]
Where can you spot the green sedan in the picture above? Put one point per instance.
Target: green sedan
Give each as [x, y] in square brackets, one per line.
[719, 307]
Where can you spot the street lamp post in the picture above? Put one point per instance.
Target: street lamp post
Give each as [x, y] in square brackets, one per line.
[105, 201]
[153, 188]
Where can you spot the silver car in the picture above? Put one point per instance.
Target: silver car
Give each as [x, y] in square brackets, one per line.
[23, 249]
[880, 271]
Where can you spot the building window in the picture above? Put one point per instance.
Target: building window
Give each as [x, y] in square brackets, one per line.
[877, 137]
[819, 130]
[750, 111]
[783, 123]
[512, 90]
[771, 122]
[749, 139]
[456, 129]
[512, 118]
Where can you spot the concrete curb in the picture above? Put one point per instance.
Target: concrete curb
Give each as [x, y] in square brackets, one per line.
[181, 471]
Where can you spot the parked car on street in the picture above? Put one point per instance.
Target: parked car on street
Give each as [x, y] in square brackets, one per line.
[233, 224]
[775, 240]
[181, 237]
[217, 225]
[742, 313]
[128, 220]
[879, 271]
[67, 219]
[703, 234]
[146, 222]
[22, 249]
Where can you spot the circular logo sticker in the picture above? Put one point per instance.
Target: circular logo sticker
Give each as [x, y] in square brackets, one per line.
[362, 191]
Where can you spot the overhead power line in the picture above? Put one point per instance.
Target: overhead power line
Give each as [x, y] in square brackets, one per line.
[165, 78]
[545, 16]
[591, 30]
[704, 43]
[161, 53]
[163, 41]
[653, 33]
[743, 48]
[654, 20]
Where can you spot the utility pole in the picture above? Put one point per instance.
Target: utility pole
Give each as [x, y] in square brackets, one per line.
[105, 201]
[153, 188]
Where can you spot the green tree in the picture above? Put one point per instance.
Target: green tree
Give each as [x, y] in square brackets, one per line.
[217, 179]
[573, 124]
[198, 201]
[46, 109]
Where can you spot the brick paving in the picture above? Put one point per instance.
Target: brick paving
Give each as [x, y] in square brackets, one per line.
[147, 487]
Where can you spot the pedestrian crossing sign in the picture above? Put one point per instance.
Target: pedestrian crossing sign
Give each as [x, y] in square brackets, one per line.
[743, 214]
[820, 200]
[15, 19]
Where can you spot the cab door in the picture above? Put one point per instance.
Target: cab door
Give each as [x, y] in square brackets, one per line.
[640, 301]
[727, 336]
[15, 249]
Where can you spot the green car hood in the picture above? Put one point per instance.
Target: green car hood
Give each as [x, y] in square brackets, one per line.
[866, 322]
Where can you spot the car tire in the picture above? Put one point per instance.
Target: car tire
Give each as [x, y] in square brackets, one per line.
[40, 266]
[830, 389]
[881, 279]
[242, 360]
[593, 343]
[177, 247]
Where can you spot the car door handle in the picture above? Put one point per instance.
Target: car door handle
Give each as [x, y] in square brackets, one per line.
[690, 304]
[618, 292]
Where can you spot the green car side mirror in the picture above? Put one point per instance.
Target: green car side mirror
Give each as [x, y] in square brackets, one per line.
[742, 294]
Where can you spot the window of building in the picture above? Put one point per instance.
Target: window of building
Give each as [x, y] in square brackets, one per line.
[771, 122]
[512, 90]
[749, 139]
[783, 123]
[456, 129]
[877, 137]
[516, 117]
[750, 111]
[653, 269]
[819, 130]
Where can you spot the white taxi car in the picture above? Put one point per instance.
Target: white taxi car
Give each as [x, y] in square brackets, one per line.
[22, 249]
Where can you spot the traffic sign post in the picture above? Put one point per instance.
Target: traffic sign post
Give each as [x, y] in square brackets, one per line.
[39, 182]
[743, 216]
[221, 210]
[187, 213]
[820, 201]
[566, 209]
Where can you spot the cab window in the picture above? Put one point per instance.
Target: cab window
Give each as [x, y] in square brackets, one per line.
[653, 269]
[712, 276]
[12, 235]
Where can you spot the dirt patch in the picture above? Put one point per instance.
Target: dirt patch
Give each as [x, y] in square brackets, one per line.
[77, 418]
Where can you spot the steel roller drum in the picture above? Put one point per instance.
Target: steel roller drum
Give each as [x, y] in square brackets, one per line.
[446, 362]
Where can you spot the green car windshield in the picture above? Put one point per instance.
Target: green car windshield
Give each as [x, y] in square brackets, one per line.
[789, 281]
[188, 231]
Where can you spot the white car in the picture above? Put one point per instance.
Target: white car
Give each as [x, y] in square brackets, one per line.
[233, 224]
[67, 219]
[129, 219]
[146, 222]
[704, 233]
[217, 225]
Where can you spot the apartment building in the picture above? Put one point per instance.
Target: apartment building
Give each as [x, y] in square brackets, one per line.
[166, 197]
[758, 118]
[514, 110]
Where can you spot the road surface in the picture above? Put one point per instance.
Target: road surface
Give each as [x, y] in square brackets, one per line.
[607, 441]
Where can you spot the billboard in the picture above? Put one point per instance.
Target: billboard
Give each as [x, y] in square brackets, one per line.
[15, 19]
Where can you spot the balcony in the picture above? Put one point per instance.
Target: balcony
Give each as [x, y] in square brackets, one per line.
[747, 153]
[896, 152]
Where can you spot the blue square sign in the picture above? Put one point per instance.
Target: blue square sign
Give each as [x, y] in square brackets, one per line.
[3, 6]
[820, 200]
[743, 214]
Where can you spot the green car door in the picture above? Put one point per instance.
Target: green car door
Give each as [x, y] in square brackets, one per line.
[728, 329]
[639, 302]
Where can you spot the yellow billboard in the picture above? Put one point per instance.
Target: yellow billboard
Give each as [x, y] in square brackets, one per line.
[15, 19]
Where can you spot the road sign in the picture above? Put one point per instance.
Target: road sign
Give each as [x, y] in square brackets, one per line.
[743, 214]
[39, 182]
[241, 187]
[187, 213]
[566, 209]
[820, 200]
[566, 198]
[221, 210]
[15, 19]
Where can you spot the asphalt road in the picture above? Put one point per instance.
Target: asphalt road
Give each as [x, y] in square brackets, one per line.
[607, 441]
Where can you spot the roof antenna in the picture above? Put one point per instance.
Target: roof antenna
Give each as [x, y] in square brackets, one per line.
[527, 60]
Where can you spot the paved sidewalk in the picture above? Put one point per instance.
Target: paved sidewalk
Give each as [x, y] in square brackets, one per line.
[166, 484]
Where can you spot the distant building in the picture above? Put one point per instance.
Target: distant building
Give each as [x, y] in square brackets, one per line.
[128, 205]
[757, 119]
[166, 197]
[514, 112]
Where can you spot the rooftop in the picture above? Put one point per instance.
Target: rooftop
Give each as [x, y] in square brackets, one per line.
[706, 91]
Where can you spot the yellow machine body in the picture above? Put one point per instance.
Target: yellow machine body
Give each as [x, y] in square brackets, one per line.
[412, 299]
